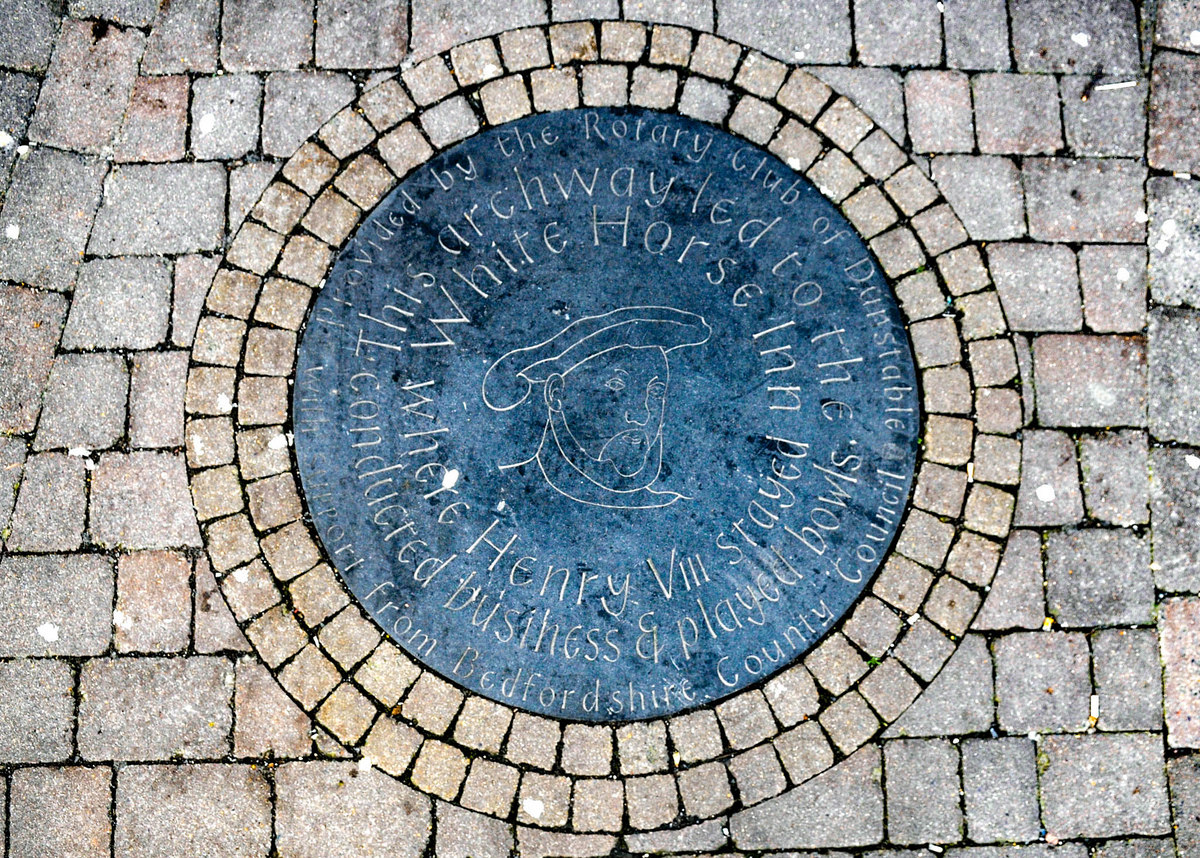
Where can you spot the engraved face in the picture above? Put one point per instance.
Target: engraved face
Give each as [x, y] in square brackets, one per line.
[608, 414]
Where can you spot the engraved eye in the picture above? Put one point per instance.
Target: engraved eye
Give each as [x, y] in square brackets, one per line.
[657, 389]
[615, 385]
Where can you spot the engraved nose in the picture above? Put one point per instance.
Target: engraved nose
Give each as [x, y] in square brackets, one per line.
[641, 422]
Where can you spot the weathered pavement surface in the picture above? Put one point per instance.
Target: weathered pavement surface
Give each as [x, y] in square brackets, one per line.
[137, 719]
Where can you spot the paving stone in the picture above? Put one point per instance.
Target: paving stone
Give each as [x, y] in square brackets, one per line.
[27, 34]
[835, 664]
[225, 114]
[1042, 681]
[51, 201]
[536, 843]
[533, 740]
[295, 104]
[814, 31]
[266, 35]
[155, 122]
[59, 605]
[60, 811]
[879, 92]
[653, 88]
[976, 34]
[1116, 477]
[1017, 114]
[1174, 351]
[119, 304]
[51, 505]
[121, 485]
[696, 736]
[1038, 286]
[130, 13]
[87, 88]
[463, 834]
[702, 836]
[18, 95]
[183, 38]
[1174, 209]
[922, 791]
[1085, 37]
[652, 801]
[849, 722]
[1174, 113]
[574, 10]
[358, 812]
[842, 807]
[526, 49]
[1113, 278]
[746, 719]
[958, 701]
[267, 721]
[155, 708]
[1128, 679]
[1084, 200]
[1184, 774]
[161, 208]
[37, 711]
[758, 774]
[361, 34]
[246, 185]
[439, 24]
[156, 399]
[1109, 392]
[13, 452]
[696, 14]
[199, 809]
[873, 627]
[804, 750]
[1000, 790]
[1099, 577]
[1179, 620]
[1049, 492]
[704, 100]
[1175, 511]
[895, 33]
[1104, 786]
[1156, 848]
[30, 323]
[1175, 22]
[1104, 121]
[544, 799]
[84, 402]
[490, 787]
[153, 611]
[985, 192]
[939, 111]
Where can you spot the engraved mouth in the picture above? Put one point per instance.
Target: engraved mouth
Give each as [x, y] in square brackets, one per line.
[626, 451]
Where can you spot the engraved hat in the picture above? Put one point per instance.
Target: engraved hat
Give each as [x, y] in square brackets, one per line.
[509, 380]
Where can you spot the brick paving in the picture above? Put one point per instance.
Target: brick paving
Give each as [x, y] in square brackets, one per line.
[1043, 692]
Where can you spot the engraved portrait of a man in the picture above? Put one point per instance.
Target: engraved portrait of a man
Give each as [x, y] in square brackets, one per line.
[603, 383]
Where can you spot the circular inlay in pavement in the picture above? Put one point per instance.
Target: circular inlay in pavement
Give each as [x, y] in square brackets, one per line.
[606, 414]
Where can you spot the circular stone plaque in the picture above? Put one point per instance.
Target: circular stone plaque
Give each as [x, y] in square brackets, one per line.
[606, 414]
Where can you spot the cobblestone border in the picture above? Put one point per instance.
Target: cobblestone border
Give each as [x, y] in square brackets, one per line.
[460, 747]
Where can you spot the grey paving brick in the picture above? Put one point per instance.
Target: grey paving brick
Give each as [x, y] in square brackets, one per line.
[27, 34]
[696, 14]
[37, 711]
[1000, 790]
[1099, 577]
[538, 843]
[206, 809]
[577, 10]
[154, 602]
[51, 202]
[921, 777]
[155, 708]
[439, 24]
[193, 276]
[246, 186]
[87, 88]
[842, 807]
[1140, 848]
[1175, 514]
[267, 720]
[121, 486]
[266, 35]
[463, 834]
[1113, 279]
[1174, 112]
[183, 38]
[1038, 286]
[119, 304]
[161, 208]
[156, 399]
[879, 92]
[1184, 774]
[1090, 381]
[814, 31]
[361, 34]
[155, 122]
[1042, 681]
[84, 402]
[30, 323]
[1083, 37]
[1017, 114]
[958, 701]
[1084, 200]
[1179, 620]
[296, 104]
[985, 192]
[1104, 121]
[60, 811]
[51, 505]
[1176, 21]
[1116, 483]
[704, 100]
[12, 464]
[1049, 492]
[1174, 210]
[225, 112]
[898, 33]
[1128, 679]
[1104, 786]
[60, 605]
[939, 111]
[976, 34]
[129, 13]
[18, 94]
[1174, 351]
[365, 812]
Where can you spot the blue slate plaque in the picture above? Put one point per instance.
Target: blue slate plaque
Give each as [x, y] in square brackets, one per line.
[606, 414]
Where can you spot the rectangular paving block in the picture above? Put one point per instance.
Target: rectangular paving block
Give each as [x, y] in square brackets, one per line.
[1113, 280]
[1174, 242]
[60, 811]
[1082, 37]
[1017, 114]
[1090, 381]
[155, 708]
[1116, 477]
[361, 33]
[1174, 355]
[30, 323]
[119, 304]
[122, 487]
[36, 711]
[1174, 112]
[27, 33]
[1179, 636]
[183, 38]
[1038, 286]
[1175, 515]
[1000, 789]
[1042, 681]
[922, 783]
[55, 605]
[809, 31]
[1049, 493]
[1099, 577]
[1103, 121]
[51, 505]
[1128, 679]
[440, 24]
[976, 34]
[897, 33]
[155, 122]
[1097, 199]
[1184, 775]
[985, 191]
[225, 115]
[939, 111]
[154, 596]
[266, 35]
[296, 104]
[84, 402]
[185, 202]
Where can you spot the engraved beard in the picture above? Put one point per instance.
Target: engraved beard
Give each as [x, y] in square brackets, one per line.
[606, 416]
